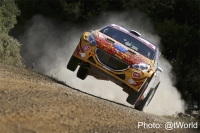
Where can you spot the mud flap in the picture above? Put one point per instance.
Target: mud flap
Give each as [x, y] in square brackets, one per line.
[154, 93]
[134, 95]
[142, 102]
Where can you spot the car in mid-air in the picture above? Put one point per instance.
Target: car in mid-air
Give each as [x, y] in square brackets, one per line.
[122, 56]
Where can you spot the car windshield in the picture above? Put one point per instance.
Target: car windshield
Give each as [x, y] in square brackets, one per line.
[129, 41]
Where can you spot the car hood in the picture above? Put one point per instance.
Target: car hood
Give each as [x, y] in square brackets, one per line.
[119, 50]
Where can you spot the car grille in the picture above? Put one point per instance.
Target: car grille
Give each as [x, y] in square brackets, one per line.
[110, 61]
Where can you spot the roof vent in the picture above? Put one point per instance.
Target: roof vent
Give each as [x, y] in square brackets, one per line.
[135, 32]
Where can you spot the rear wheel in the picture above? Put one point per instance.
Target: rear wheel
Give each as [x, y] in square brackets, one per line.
[82, 72]
[73, 63]
[134, 95]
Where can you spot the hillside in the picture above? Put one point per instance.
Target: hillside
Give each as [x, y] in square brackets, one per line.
[34, 103]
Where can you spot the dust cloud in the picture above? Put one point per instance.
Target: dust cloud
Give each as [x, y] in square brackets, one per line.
[167, 100]
[49, 45]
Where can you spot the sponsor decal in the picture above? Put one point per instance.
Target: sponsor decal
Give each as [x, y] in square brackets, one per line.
[86, 48]
[135, 74]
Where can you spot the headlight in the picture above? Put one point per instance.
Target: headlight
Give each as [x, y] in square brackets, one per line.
[91, 39]
[142, 66]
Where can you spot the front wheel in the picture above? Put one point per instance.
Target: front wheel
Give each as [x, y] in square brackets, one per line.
[82, 72]
[73, 63]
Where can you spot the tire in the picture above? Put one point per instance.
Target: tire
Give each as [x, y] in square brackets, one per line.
[82, 72]
[134, 95]
[73, 63]
[142, 102]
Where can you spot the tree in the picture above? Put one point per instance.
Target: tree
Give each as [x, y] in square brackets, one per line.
[9, 11]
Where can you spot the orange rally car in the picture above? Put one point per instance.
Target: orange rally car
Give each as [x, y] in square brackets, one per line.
[122, 56]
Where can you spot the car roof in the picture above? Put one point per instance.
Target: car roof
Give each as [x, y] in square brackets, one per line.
[141, 39]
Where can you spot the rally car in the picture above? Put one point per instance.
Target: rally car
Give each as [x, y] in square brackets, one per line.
[122, 56]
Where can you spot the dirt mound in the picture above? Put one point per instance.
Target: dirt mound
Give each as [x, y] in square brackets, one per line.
[34, 103]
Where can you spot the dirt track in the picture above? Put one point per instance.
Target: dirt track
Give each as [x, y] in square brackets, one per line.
[34, 103]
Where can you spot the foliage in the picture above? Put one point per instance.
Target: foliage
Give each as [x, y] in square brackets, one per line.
[9, 47]
[9, 50]
[9, 11]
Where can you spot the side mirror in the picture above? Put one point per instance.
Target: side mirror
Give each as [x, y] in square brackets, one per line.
[159, 69]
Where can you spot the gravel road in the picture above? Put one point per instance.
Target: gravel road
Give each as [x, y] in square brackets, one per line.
[34, 103]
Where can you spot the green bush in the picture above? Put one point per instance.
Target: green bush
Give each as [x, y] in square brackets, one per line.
[10, 50]
[9, 47]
